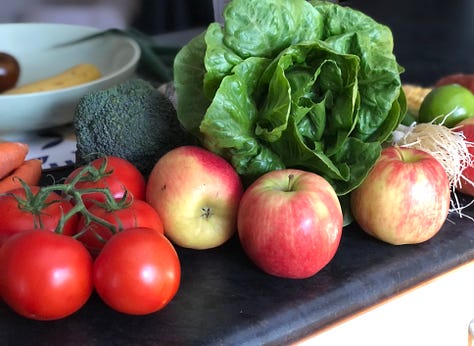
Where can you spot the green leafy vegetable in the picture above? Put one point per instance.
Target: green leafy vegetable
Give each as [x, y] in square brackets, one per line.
[310, 85]
[132, 120]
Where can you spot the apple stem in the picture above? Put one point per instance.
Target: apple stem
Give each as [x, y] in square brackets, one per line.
[291, 178]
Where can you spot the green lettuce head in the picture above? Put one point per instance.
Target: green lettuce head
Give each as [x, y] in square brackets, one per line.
[308, 85]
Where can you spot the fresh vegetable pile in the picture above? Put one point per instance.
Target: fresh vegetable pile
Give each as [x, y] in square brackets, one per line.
[297, 106]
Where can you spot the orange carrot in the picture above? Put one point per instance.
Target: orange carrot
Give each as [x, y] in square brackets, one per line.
[12, 156]
[29, 172]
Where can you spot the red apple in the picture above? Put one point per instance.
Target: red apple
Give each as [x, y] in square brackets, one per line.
[404, 199]
[290, 223]
[197, 194]
[466, 185]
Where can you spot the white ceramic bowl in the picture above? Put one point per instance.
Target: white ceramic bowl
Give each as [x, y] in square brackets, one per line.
[35, 46]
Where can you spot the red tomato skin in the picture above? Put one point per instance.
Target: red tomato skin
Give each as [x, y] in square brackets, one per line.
[44, 275]
[124, 177]
[15, 220]
[137, 272]
[138, 214]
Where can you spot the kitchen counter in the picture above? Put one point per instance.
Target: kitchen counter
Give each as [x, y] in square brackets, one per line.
[435, 312]
[225, 300]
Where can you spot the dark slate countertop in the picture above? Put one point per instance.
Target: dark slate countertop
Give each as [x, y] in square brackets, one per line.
[225, 300]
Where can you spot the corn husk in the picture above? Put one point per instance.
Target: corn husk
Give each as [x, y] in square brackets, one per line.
[415, 95]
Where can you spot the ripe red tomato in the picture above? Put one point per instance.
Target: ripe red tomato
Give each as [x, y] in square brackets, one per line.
[137, 214]
[137, 272]
[27, 214]
[45, 275]
[124, 176]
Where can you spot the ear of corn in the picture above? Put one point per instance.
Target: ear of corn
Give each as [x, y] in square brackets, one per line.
[415, 95]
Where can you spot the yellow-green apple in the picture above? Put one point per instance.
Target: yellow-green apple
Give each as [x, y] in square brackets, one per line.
[404, 199]
[466, 183]
[197, 194]
[290, 223]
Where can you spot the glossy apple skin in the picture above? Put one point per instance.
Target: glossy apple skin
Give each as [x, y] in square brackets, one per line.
[405, 198]
[466, 184]
[197, 194]
[290, 232]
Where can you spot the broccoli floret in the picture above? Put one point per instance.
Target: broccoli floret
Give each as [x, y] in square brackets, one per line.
[132, 120]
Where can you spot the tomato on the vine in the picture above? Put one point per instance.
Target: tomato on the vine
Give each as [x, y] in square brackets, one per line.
[137, 272]
[45, 275]
[120, 176]
[136, 213]
[21, 211]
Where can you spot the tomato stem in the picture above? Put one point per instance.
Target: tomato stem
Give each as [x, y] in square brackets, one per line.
[35, 203]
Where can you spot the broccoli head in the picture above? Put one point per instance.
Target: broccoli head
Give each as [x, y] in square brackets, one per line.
[132, 120]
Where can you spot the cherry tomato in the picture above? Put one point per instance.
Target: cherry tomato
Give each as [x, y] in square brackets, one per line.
[26, 214]
[45, 275]
[447, 104]
[123, 176]
[137, 272]
[137, 214]
[9, 71]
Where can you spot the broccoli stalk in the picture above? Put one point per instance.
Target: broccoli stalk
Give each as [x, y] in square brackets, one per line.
[132, 120]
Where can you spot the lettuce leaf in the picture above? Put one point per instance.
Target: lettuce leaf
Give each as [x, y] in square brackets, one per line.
[310, 85]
